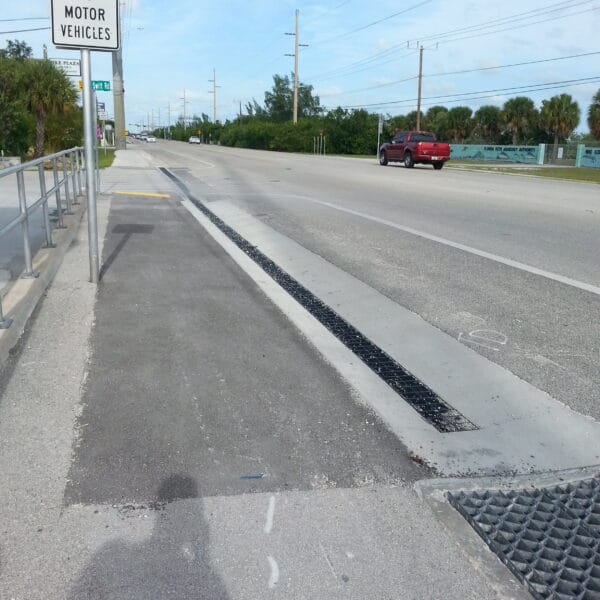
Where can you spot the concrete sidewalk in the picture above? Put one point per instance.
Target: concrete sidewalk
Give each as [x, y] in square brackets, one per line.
[170, 434]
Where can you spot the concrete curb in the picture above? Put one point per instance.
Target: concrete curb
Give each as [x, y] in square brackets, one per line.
[23, 295]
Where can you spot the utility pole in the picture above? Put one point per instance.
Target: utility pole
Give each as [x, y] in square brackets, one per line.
[169, 118]
[119, 96]
[297, 45]
[419, 92]
[185, 103]
[214, 94]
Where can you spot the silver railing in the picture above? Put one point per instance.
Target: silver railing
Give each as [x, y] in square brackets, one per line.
[66, 174]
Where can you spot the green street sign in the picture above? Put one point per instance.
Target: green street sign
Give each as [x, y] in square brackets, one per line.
[101, 86]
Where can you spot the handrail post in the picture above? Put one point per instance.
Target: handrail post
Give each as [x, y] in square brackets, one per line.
[73, 162]
[79, 162]
[65, 171]
[5, 322]
[29, 273]
[59, 212]
[46, 216]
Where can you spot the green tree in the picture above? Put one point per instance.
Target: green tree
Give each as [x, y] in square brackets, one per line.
[436, 121]
[559, 115]
[17, 50]
[487, 123]
[594, 116]
[459, 122]
[47, 91]
[519, 115]
[16, 122]
[279, 102]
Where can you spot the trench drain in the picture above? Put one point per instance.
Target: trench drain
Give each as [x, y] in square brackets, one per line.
[423, 399]
[548, 537]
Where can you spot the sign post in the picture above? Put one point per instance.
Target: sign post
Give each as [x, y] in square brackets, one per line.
[87, 25]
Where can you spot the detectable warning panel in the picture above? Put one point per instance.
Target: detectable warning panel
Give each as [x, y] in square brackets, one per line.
[85, 24]
[548, 537]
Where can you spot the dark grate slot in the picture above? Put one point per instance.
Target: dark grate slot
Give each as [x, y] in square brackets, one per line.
[425, 401]
[563, 561]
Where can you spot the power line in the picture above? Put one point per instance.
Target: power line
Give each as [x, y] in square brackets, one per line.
[464, 71]
[24, 30]
[368, 25]
[564, 5]
[25, 19]
[463, 96]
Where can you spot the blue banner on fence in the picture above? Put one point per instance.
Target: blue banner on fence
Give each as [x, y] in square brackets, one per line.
[520, 154]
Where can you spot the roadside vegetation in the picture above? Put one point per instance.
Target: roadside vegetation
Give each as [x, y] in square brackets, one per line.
[106, 156]
[38, 109]
[570, 173]
[269, 126]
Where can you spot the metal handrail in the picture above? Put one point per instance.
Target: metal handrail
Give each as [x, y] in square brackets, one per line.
[63, 177]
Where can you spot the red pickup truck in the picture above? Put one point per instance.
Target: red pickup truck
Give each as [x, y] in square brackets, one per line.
[412, 147]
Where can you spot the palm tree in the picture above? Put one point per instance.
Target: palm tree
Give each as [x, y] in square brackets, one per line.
[594, 116]
[48, 91]
[487, 122]
[560, 115]
[519, 114]
[459, 122]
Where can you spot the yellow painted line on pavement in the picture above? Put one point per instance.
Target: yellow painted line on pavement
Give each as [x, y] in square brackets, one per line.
[149, 194]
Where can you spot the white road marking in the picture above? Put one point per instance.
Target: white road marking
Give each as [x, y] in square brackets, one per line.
[270, 515]
[274, 577]
[329, 564]
[495, 257]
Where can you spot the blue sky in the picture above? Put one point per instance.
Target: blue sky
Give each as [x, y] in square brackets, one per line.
[360, 53]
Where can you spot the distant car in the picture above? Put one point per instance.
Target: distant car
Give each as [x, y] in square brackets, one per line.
[194, 139]
[150, 138]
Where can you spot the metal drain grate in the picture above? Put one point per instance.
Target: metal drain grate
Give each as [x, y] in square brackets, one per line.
[548, 537]
[425, 401]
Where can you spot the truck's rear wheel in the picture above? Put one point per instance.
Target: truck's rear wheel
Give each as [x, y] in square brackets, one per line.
[409, 163]
[438, 165]
[383, 160]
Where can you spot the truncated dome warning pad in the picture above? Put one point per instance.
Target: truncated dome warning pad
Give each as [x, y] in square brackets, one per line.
[548, 537]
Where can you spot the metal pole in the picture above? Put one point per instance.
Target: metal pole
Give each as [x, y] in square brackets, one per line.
[29, 273]
[296, 70]
[66, 180]
[59, 211]
[90, 134]
[5, 322]
[119, 99]
[73, 163]
[324, 143]
[46, 216]
[214, 96]
[95, 129]
[79, 164]
[419, 95]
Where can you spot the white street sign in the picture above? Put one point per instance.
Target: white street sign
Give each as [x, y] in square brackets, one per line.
[69, 66]
[102, 115]
[85, 24]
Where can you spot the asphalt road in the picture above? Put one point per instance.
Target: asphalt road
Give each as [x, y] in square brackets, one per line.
[172, 433]
[186, 430]
[379, 225]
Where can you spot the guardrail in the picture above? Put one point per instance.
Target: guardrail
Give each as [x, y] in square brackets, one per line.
[67, 167]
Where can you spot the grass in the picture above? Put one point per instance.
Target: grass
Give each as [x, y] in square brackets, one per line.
[570, 173]
[105, 157]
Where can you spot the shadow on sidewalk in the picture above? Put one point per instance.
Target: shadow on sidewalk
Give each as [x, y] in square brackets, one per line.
[173, 563]
[127, 230]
